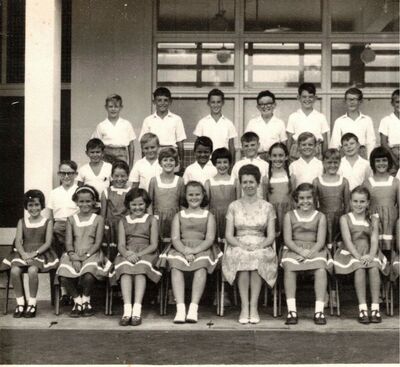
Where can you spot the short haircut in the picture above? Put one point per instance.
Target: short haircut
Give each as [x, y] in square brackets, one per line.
[306, 135]
[305, 186]
[204, 202]
[30, 195]
[347, 137]
[205, 141]
[221, 153]
[85, 189]
[120, 164]
[94, 144]
[168, 153]
[69, 163]
[114, 98]
[148, 137]
[133, 194]
[216, 92]
[162, 92]
[332, 153]
[361, 190]
[308, 87]
[250, 170]
[249, 136]
[395, 94]
[265, 93]
[380, 152]
[355, 91]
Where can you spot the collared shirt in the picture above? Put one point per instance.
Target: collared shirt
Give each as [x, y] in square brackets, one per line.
[306, 171]
[269, 132]
[119, 134]
[218, 131]
[169, 130]
[315, 123]
[195, 172]
[143, 171]
[390, 126]
[60, 202]
[101, 181]
[362, 127]
[356, 174]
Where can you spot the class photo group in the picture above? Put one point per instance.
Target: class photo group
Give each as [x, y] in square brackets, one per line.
[300, 198]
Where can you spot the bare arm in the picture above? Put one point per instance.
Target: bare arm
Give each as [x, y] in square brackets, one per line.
[374, 237]
[103, 209]
[19, 239]
[269, 240]
[131, 153]
[210, 236]
[121, 240]
[176, 235]
[290, 140]
[153, 239]
[288, 236]
[48, 239]
[150, 209]
[99, 236]
[181, 153]
[346, 196]
[230, 238]
[321, 235]
[325, 142]
[346, 236]
[232, 149]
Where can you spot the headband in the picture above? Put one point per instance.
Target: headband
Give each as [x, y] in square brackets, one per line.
[79, 189]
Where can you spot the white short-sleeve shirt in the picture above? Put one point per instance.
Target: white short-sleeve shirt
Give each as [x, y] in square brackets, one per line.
[101, 181]
[306, 171]
[169, 130]
[119, 134]
[315, 123]
[143, 171]
[60, 202]
[269, 132]
[195, 172]
[390, 126]
[218, 131]
[356, 174]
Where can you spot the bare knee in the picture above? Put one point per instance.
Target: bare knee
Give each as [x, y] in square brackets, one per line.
[15, 271]
[33, 271]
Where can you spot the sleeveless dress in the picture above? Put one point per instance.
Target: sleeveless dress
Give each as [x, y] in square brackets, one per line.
[304, 234]
[193, 229]
[331, 203]
[250, 224]
[33, 236]
[383, 203]
[222, 193]
[166, 203]
[360, 232]
[84, 236]
[279, 196]
[137, 234]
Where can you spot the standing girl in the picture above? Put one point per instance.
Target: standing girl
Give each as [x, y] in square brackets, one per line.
[83, 260]
[193, 235]
[304, 231]
[32, 252]
[361, 252]
[137, 246]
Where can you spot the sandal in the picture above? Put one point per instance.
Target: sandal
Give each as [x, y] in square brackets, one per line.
[376, 317]
[363, 317]
[19, 311]
[30, 311]
[291, 318]
[76, 310]
[319, 318]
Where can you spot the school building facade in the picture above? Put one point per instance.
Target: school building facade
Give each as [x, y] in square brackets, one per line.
[60, 59]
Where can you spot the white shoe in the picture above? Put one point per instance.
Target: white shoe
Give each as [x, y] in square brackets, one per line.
[180, 316]
[192, 315]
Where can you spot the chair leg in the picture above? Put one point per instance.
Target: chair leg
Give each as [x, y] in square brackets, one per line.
[110, 302]
[386, 287]
[275, 300]
[57, 294]
[7, 292]
[337, 298]
[166, 295]
[330, 292]
[218, 293]
[222, 296]
[52, 290]
[391, 299]
[107, 306]
[161, 295]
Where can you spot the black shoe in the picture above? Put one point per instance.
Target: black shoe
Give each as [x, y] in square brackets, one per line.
[65, 300]
[291, 318]
[76, 311]
[30, 311]
[87, 310]
[136, 320]
[363, 317]
[376, 317]
[125, 321]
[19, 311]
[319, 318]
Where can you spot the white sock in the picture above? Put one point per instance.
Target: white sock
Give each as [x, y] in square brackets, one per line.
[85, 299]
[291, 304]
[127, 309]
[136, 310]
[375, 307]
[181, 308]
[193, 307]
[362, 307]
[319, 306]
[20, 301]
[78, 300]
[63, 291]
[32, 301]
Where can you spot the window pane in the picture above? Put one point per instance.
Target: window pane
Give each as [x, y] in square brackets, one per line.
[282, 64]
[195, 64]
[200, 15]
[364, 16]
[279, 16]
[365, 65]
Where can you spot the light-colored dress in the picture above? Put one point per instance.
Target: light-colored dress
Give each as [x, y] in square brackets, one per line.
[250, 222]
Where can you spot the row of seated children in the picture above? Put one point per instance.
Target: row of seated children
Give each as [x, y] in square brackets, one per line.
[118, 134]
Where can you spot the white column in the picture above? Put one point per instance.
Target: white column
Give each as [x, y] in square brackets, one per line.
[42, 93]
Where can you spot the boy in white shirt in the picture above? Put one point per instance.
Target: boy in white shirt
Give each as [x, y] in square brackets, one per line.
[352, 166]
[216, 126]
[147, 167]
[268, 127]
[116, 133]
[389, 130]
[307, 119]
[307, 167]
[165, 124]
[250, 145]
[354, 122]
[203, 169]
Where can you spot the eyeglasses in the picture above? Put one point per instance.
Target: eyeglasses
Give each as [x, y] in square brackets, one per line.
[62, 173]
[266, 104]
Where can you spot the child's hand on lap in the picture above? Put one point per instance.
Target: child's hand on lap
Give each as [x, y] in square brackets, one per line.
[77, 265]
